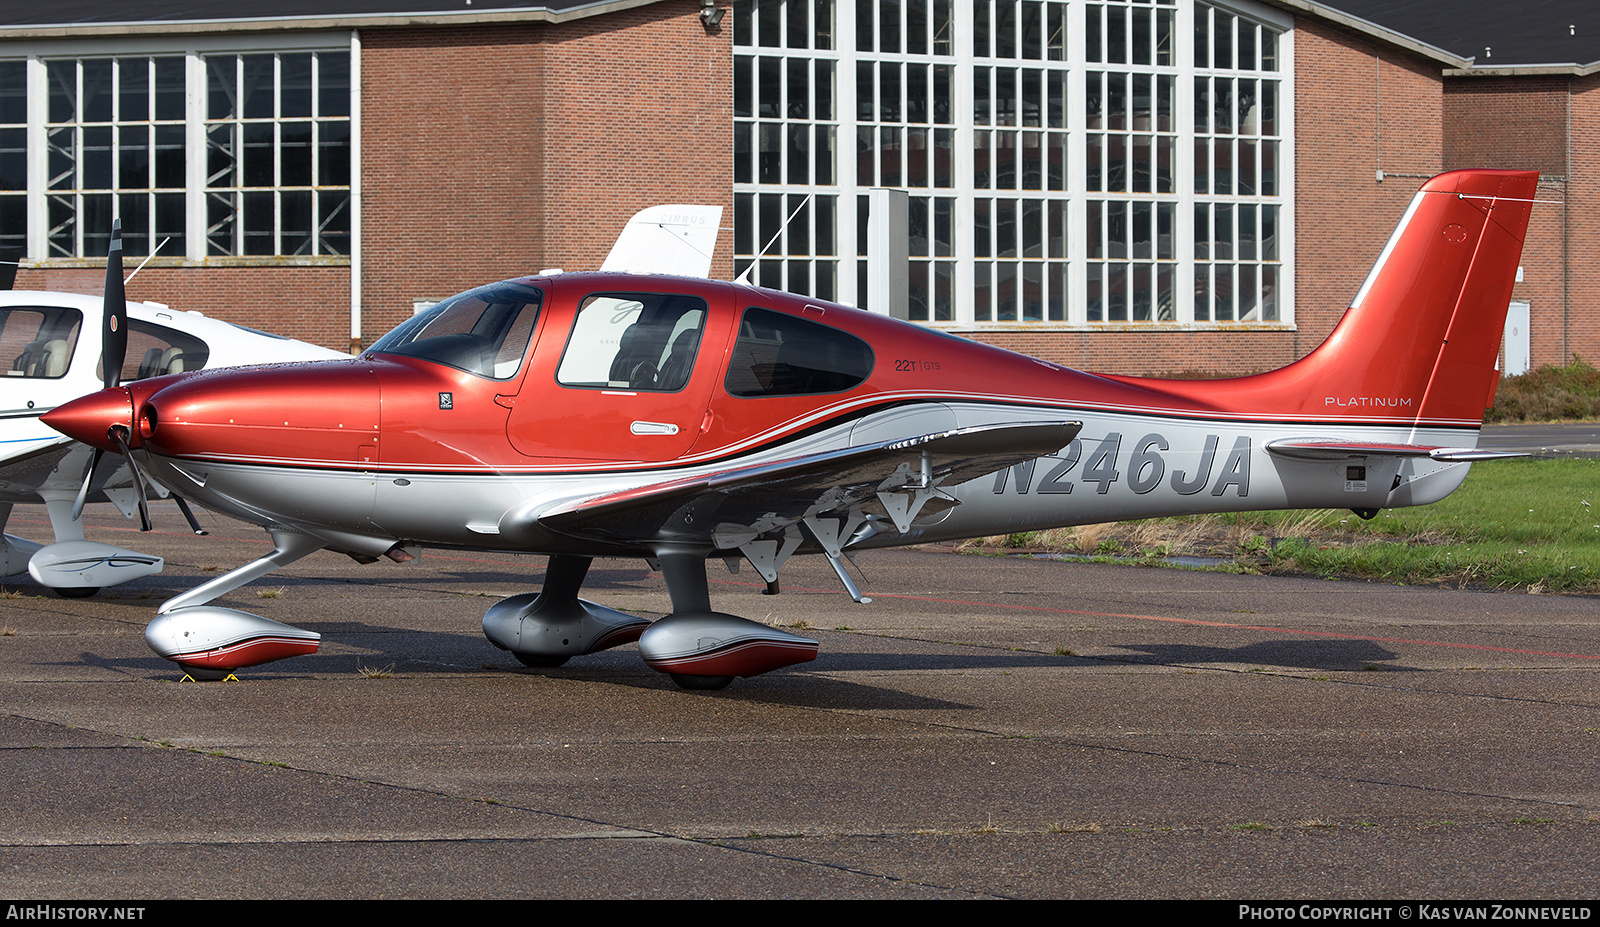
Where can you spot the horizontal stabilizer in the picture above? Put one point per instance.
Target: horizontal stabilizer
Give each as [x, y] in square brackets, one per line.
[1334, 449]
[784, 492]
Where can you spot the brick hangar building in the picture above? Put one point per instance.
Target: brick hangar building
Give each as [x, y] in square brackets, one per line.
[1134, 186]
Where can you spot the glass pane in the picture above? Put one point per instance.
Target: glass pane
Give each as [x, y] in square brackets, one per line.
[134, 209]
[220, 157]
[96, 158]
[14, 159]
[942, 27]
[333, 84]
[824, 87]
[1030, 26]
[294, 154]
[13, 92]
[170, 90]
[799, 153]
[295, 88]
[171, 219]
[221, 224]
[333, 154]
[258, 155]
[769, 160]
[1005, 28]
[825, 154]
[295, 217]
[133, 156]
[259, 216]
[799, 89]
[133, 90]
[96, 86]
[889, 92]
[259, 86]
[221, 87]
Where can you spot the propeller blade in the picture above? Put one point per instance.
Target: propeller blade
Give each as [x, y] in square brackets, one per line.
[114, 331]
[184, 508]
[83, 491]
[119, 434]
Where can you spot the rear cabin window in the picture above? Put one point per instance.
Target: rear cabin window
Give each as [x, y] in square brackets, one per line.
[634, 341]
[783, 355]
[37, 342]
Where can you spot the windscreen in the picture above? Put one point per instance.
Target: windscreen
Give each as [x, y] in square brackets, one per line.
[483, 331]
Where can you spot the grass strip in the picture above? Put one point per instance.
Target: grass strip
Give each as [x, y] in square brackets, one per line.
[1526, 524]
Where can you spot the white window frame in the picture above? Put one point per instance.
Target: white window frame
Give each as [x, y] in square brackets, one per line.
[1076, 195]
[194, 49]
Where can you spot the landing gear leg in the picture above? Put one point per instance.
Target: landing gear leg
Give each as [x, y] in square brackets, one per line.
[702, 649]
[550, 626]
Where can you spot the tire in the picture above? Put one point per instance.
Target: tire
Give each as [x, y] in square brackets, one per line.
[76, 592]
[539, 660]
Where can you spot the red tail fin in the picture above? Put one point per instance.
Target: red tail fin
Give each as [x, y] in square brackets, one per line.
[1419, 342]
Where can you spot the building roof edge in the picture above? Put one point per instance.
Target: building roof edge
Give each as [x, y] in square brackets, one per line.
[528, 14]
[1366, 27]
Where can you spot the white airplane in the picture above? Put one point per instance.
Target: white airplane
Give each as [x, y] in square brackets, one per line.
[683, 420]
[51, 353]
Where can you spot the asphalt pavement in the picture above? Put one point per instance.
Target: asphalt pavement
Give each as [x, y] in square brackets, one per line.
[985, 728]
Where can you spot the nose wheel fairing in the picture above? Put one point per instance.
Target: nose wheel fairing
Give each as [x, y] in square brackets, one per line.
[210, 638]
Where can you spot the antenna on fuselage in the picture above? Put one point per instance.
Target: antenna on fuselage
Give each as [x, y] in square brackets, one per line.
[745, 277]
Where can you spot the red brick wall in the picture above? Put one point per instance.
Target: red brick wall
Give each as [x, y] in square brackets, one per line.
[640, 112]
[1579, 315]
[520, 148]
[1517, 123]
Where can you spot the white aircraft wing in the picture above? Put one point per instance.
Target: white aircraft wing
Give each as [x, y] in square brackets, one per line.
[863, 489]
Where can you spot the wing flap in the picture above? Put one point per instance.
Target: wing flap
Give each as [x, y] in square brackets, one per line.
[770, 498]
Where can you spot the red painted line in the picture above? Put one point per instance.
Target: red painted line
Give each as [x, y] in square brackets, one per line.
[1206, 624]
[1253, 627]
[1070, 611]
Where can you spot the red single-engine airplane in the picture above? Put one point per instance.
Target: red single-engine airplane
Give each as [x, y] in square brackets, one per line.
[678, 420]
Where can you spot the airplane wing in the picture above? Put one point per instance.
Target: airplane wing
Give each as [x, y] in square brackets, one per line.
[22, 472]
[1334, 449]
[861, 490]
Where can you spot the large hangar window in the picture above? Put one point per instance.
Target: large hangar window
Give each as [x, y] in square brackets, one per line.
[1067, 163]
[201, 154]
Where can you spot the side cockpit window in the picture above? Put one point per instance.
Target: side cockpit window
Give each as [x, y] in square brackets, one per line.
[782, 355]
[483, 331]
[37, 341]
[634, 341]
[156, 350]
